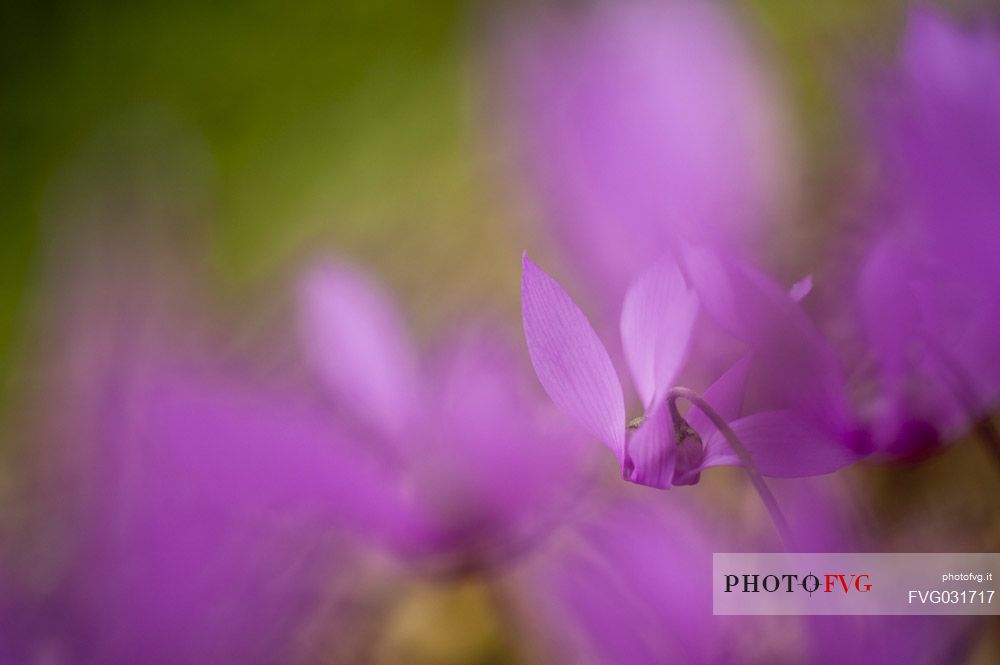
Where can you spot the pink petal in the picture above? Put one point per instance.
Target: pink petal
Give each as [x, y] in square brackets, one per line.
[781, 444]
[650, 452]
[889, 312]
[708, 276]
[944, 59]
[801, 368]
[801, 288]
[570, 361]
[634, 590]
[500, 450]
[249, 449]
[657, 318]
[354, 337]
[628, 115]
[725, 396]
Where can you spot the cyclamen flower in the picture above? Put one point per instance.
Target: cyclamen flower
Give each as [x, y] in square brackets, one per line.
[186, 497]
[802, 429]
[477, 456]
[212, 513]
[644, 123]
[928, 291]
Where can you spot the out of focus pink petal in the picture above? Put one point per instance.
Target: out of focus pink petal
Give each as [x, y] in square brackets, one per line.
[943, 59]
[725, 396]
[801, 288]
[889, 312]
[359, 346]
[629, 116]
[781, 444]
[799, 367]
[634, 592]
[502, 459]
[254, 451]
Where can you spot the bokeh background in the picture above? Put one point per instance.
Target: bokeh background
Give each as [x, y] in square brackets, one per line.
[233, 141]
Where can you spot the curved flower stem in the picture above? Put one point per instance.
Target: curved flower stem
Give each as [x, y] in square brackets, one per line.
[763, 491]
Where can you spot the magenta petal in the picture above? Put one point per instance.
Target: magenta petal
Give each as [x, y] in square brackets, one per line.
[354, 337]
[262, 453]
[889, 310]
[781, 444]
[943, 58]
[928, 290]
[202, 521]
[499, 450]
[650, 452]
[709, 276]
[801, 288]
[643, 123]
[725, 396]
[657, 317]
[802, 369]
[635, 590]
[569, 359]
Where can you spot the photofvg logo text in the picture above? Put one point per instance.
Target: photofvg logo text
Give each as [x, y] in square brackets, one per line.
[854, 583]
[791, 583]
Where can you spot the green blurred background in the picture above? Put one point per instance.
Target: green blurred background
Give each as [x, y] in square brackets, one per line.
[367, 125]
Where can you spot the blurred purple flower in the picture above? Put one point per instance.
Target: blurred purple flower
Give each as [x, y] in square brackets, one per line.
[800, 426]
[176, 505]
[631, 589]
[197, 539]
[928, 290]
[645, 123]
[208, 512]
[484, 462]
